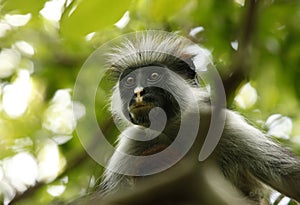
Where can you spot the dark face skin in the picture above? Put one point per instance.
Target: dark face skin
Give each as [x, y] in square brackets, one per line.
[143, 89]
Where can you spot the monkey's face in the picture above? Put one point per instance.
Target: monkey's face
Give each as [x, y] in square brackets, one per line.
[142, 89]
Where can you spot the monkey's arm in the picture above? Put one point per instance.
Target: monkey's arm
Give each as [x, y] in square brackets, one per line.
[246, 153]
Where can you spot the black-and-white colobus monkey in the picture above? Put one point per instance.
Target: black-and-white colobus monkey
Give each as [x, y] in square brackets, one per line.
[145, 67]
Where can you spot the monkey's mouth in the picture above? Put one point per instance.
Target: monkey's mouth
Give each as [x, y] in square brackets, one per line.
[139, 113]
[140, 107]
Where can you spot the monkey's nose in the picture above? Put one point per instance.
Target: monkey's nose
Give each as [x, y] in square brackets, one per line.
[138, 93]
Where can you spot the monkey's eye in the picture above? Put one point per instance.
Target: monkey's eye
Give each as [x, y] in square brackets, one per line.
[154, 76]
[130, 81]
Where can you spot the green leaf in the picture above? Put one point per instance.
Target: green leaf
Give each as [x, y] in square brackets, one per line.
[91, 15]
[160, 10]
[23, 6]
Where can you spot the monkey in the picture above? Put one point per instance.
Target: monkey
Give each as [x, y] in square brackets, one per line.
[157, 89]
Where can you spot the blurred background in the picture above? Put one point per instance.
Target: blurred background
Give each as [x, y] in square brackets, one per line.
[43, 45]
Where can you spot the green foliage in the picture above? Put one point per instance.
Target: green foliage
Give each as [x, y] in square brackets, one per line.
[84, 17]
[22, 7]
[267, 57]
[159, 11]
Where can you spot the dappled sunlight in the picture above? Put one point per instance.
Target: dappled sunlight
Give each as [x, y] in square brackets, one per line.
[25, 48]
[234, 45]
[240, 2]
[56, 190]
[21, 171]
[78, 109]
[122, 23]
[17, 20]
[20, 144]
[17, 173]
[196, 30]
[61, 139]
[52, 10]
[6, 189]
[59, 116]
[50, 161]
[246, 97]
[279, 126]
[9, 60]
[16, 95]
[4, 27]
[90, 36]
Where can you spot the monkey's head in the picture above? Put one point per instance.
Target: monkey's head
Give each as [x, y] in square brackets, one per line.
[153, 70]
